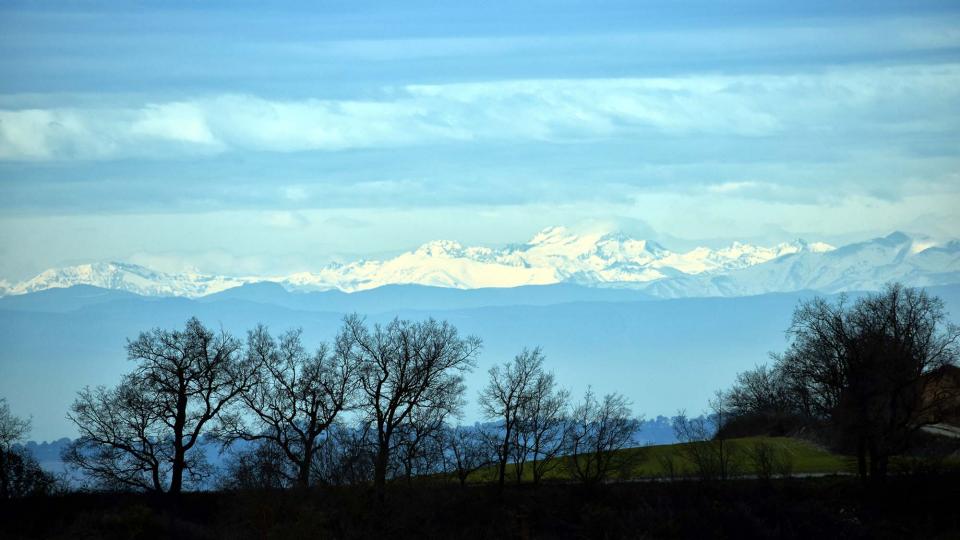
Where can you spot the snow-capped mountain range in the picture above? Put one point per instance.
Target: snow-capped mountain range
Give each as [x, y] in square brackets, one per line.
[557, 255]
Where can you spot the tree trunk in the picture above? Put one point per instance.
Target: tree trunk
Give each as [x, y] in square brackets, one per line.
[501, 478]
[303, 471]
[176, 472]
[303, 475]
[504, 454]
[4, 481]
[380, 472]
[155, 476]
[862, 458]
[408, 470]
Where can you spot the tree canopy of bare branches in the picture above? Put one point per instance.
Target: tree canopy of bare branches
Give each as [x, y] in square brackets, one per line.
[294, 396]
[541, 426]
[467, 449]
[407, 370]
[872, 371]
[504, 397]
[20, 473]
[598, 429]
[706, 447]
[141, 434]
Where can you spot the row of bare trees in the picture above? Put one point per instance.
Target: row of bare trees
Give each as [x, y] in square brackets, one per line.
[379, 402]
[535, 423]
[270, 392]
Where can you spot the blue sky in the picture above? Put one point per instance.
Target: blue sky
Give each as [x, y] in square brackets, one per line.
[250, 137]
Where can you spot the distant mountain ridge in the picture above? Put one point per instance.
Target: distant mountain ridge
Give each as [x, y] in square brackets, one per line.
[558, 256]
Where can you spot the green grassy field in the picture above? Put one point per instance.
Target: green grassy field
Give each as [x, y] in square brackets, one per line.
[802, 456]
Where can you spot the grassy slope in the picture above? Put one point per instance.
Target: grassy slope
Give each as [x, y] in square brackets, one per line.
[805, 458]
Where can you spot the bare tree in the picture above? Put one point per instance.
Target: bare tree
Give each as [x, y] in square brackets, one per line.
[870, 370]
[406, 367]
[419, 446]
[468, 449]
[504, 397]
[12, 428]
[705, 442]
[259, 465]
[541, 429]
[769, 460]
[20, 474]
[346, 456]
[142, 433]
[598, 430]
[294, 398]
[759, 389]
[123, 442]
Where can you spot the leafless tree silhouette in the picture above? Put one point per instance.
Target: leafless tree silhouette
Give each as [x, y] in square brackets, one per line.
[142, 433]
[294, 397]
[598, 429]
[406, 368]
[504, 397]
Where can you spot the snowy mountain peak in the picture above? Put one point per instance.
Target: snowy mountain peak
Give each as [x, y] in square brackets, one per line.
[557, 254]
[801, 245]
[127, 277]
[440, 248]
[551, 235]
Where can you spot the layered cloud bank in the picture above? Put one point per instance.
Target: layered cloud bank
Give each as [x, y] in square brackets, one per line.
[891, 100]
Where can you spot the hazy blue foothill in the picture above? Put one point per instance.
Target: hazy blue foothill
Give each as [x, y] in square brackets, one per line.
[393, 297]
[670, 352]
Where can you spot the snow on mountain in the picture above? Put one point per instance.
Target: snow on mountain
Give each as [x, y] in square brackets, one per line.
[127, 277]
[554, 255]
[860, 266]
[738, 255]
[439, 264]
[558, 255]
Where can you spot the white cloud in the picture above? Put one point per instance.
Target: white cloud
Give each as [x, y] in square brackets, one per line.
[865, 100]
[285, 220]
[39, 134]
[182, 122]
[732, 187]
[295, 193]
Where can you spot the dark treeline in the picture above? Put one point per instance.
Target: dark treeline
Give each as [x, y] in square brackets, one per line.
[378, 403]
[864, 378]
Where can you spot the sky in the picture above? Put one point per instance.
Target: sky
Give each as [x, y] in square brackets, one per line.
[266, 138]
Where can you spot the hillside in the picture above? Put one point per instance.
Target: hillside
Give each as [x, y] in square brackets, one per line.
[648, 462]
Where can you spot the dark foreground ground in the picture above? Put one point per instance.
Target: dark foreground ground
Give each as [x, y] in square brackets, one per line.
[800, 508]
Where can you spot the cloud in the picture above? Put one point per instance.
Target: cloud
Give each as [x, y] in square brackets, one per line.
[295, 193]
[866, 102]
[182, 122]
[732, 187]
[285, 220]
